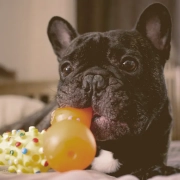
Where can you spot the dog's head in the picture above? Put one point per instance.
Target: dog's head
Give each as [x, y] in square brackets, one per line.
[118, 73]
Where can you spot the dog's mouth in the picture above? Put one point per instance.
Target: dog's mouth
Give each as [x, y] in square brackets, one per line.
[106, 129]
[95, 117]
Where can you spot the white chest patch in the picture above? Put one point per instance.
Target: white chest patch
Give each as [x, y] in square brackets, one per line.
[105, 162]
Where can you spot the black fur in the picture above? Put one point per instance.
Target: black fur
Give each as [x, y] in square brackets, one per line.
[120, 75]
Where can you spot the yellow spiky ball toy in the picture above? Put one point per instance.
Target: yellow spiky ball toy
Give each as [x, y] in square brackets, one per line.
[22, 151]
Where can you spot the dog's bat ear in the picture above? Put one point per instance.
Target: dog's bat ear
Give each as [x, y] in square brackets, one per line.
[155, 24]
[60, 34]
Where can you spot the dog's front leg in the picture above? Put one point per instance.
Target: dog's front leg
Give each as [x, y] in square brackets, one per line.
[144, 174]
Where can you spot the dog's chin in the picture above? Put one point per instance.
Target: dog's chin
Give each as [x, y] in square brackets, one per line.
[105, 129]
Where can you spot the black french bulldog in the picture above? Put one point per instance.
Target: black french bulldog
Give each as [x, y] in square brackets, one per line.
[120, 75]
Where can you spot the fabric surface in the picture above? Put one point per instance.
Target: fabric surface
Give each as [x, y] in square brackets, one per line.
[78, 175]
[14, 108]
[174, 154]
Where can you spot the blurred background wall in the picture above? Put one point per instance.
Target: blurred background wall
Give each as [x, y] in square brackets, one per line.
[24, 46]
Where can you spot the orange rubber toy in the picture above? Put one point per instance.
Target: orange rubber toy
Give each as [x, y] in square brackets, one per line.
[69, 144]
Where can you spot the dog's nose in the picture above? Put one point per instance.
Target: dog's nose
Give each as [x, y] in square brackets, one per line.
[94, 83]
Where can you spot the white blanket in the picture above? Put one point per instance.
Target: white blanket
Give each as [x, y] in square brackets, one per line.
[79, 175]
[14, 108]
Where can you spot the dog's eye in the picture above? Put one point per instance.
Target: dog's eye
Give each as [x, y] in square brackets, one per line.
[66, 69]
[129, 65]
